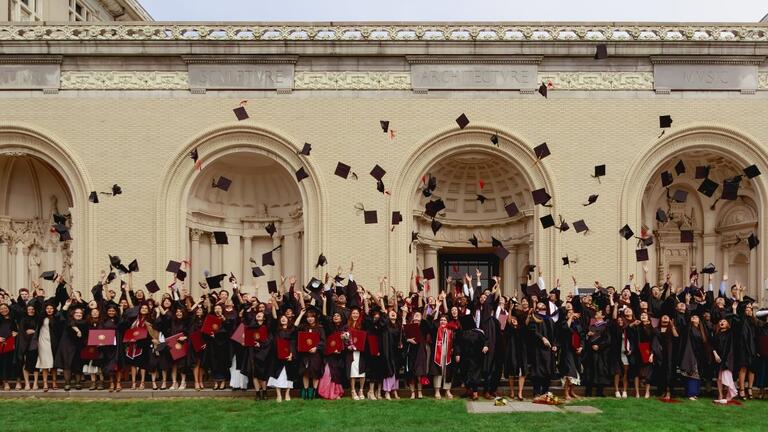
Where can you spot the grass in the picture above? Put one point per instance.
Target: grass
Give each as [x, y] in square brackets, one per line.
[347, 415]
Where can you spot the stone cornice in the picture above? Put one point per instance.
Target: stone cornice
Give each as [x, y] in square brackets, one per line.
[206, 59]
[30, 59]
[709, 60]
[464, 59]
[371, 31]
[352, 80]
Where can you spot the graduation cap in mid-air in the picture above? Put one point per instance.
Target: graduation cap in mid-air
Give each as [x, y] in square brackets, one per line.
[751, 171]
[626, 232]
[543, 90]
[541, 197]
[591, 200]
[301, 174]
[547, 221]
[541, 151]
[473, 241]
[511, 209]
[599, 172]
[580, 226]
[462, 121]
[752, 241]
[240, 112]
[222, 183]
[271, 229]
[384, 125]
[305, 150]
[321, 261]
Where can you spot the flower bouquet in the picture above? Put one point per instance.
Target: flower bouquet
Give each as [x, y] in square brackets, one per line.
[547, 399]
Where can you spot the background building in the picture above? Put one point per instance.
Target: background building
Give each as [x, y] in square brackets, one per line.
[89, 105]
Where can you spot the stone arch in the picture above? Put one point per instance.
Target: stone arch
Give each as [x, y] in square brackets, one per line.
[474, 139]
[720, 140]
[217, 143]
[30, 140]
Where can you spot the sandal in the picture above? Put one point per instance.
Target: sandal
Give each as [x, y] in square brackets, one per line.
[749, 393]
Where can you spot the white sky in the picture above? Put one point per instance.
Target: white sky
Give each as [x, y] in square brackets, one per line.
[458, 10]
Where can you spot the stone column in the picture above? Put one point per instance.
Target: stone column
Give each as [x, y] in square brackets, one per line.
[290, 253]
[754, 286]
[196, 268]
[12, 267]
[726, 260]
[509, 270]
[278, 256]
[4, 270]
[430, 260]
[247, 279]
[216, 254]
[24, 280]
[231, 256]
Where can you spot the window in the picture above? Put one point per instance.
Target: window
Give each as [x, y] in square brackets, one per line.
[26, 10]
[78, 11]
[458, 264]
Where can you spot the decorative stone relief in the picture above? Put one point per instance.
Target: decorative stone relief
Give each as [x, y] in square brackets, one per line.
[762, 81]
[352, 81]
[598, 80]
[130, 80]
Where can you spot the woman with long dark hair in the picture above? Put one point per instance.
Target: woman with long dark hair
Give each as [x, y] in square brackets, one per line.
[94, 367]
[72, 341]
[48, 337]
[284, 371]
[391, 345]
[664, 362]
[694, 361]
[311, 363]
[8, 332]
[723, 356]
[26, 347]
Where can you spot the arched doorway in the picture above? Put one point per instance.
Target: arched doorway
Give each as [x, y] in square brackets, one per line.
[262, 165]
[262, 193]
[40, 177]
[720, 226]
[460, 159]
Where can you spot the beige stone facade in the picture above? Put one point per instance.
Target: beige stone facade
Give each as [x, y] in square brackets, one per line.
[85, 106]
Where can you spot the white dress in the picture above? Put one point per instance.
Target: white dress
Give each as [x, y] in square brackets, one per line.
[44, 350]
[354, 371]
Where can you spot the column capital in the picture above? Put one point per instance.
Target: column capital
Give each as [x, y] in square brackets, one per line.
[195, 234]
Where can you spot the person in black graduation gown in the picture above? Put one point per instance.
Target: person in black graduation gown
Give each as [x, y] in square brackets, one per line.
[570, 342]
[110, 353]
[8, 330]
[284, 371]
[695, 354]
[195, 327]
[597, 371]
[178, 323]
[664, 360]
[49, 331]
[391, 345]
[375, 371]
[543, 347]
[26, 346]
[311, 363]
[335, 359]
[218, 348]
[723, 356]
[258, 357]
[469, 353]
[418, 355]
[493, 361]
[516, 353]
[73, 339]
[745, 347]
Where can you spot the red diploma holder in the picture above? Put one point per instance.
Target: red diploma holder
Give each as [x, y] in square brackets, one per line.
[198, 344]
[357, 338]
[283, 348]
[178, 348]
[503, 321]
[254, 336]
[762, 345]
[575, 340]
[211, 325]
[413, 331]
[89, 353]
[133, 335]
[8, 346]
[373, 345]
[645, 352]
[307, 341]
[101, 338]
[239, 335]
[333, 344]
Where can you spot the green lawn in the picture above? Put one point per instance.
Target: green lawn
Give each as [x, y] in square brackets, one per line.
[347, 415]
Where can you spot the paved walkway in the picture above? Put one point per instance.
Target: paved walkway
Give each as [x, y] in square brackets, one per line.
[488, 407]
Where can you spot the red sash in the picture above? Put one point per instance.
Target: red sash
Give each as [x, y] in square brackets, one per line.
[442, 333]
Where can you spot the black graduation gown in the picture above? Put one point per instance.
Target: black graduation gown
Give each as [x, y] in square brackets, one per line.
[218, 349]
[618, 347]
[745, 345]
[516, 349]
[570, 362]
[470, 351]
[110, 353]
[291, 367]
[257, 362]
[723, 345]
[312, 364]
[375, 370]
[174, 327]
[664, 364]
[597, 370]
[434, 368]
[337, 361]
[390, 349]
[694, 361]
[645, 334]
[26, 344]
[8, 367]
[68, 353]
[542, 359]
[418, 355]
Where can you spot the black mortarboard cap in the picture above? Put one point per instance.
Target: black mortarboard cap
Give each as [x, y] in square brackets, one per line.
[371, 217]
[753, 241]
[462, 121]
[314, 284]
[267, 259]
[116, 190]
[384, 125]
[547, 221]
[566, 261]
[223, 183]
[220, 237]
[702, 171]
[541, 151]
[257, 271]
[751, 171]
[414, 236]
[540, 196]
[730, 191]
[680, 167]
[626, 232]
[495, 139]
[601, 52]
[193, 154]
[380, 186]
[321, 261]
[181, 275]
[397, 217]
[306, 149]
[48, 275]
[133, 266]
[563, 225]
[473, 241]
[432, 208]
[152, 286]
[543, 90]
[580, 226]
[501, 252]
[272, 286]
[481, 198]
[215, 281]
[686, 236]
[647, 241]
[680, 196]
[63, 232]
[114, 261]
[271, 229]
[496, 242]
[240, 113]
[591, 199]
[342, 170]
[378, 172]
[429, 273]
[93, 197]
[111, 276]
[661, 216]
[173, 266]
[301, 174]
[599, 170]
[665, 121]
[708, 187]
[666, 178]
[641, 255]
[709, 269]
[511, 209]
[59, 219]
[436, 225]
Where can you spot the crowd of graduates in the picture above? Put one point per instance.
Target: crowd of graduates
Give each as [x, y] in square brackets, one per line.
[335, 335]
